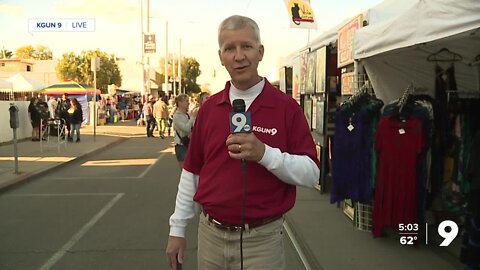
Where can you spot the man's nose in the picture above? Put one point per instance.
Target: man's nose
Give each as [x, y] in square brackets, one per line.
[239, 54]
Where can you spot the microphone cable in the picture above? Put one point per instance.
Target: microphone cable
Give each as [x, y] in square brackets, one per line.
[244, 200]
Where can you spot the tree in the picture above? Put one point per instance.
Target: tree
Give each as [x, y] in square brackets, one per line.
[5, 54]
[190, 71]
[68, 67]
[29, 52]
[78, 68]
[25, 52]
[42, 53]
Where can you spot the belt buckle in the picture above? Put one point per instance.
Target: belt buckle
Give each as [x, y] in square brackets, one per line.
[225, 227]
[234, 228]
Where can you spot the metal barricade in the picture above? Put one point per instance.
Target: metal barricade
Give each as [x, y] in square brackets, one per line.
[53, 128]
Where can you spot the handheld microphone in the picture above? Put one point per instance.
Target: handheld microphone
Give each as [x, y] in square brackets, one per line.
[240, 121]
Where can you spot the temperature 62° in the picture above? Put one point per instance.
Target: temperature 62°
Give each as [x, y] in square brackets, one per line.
[408, 240]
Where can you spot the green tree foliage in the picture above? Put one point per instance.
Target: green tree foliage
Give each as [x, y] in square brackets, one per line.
[42, 53]
[68, 67]
[25, 52]
[29, 52]
[78, 68]
[5, 54]
[190, 71]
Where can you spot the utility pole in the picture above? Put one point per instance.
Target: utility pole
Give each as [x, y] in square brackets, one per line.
[148, 56]
[173, 75]
[95, 66]
[166, 58]
[180, 68]
[143, 51]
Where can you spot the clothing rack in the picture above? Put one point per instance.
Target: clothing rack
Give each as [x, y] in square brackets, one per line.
[406, 94]
[363, 91]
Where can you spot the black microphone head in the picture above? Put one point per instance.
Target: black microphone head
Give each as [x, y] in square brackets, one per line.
[238, 105]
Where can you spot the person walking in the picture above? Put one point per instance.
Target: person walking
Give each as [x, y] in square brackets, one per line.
[148, 115]
[76, 118]
[241, 222]
[182, 126]
[160, 113]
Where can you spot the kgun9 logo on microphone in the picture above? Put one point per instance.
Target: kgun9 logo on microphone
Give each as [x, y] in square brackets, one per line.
[240, 122]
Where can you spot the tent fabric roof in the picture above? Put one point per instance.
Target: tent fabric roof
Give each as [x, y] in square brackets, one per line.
[395, 52]
[425, 21]
[69, 87]
[6, 85]
[20, 83]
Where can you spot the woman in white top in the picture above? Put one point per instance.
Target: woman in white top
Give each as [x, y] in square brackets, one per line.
[182, 124]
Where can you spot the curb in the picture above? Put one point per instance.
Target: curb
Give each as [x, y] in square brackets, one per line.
[22, 178]
[305, 249]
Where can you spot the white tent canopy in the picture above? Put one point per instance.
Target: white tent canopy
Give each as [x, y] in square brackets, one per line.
[21, 83]
[5, 85]
[394, 52]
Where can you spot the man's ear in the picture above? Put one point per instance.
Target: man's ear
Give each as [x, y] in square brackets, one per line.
[261, 50]
[220, 56]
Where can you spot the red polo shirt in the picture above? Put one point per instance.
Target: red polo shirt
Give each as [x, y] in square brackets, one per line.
[279, 122]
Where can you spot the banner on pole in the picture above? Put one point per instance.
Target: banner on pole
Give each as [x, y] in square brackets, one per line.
[301, 14]
[149, 44]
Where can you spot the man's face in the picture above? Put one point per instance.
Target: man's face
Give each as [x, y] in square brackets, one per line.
[240, 54]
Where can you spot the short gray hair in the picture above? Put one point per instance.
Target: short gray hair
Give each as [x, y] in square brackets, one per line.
[180, 98]
[237, 22]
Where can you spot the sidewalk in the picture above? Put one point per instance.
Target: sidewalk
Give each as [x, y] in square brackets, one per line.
[330, 241]
[32, 161]
[327, 238]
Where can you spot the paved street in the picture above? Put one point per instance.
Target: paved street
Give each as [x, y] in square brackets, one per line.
[104, 203]
[107, 211]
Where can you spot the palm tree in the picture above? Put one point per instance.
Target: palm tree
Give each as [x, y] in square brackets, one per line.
[5, 54]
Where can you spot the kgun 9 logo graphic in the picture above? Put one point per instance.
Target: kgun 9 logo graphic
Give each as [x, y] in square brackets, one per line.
[240, 122]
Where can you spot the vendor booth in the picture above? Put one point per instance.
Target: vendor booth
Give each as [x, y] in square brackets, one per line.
[83, 93]
[403, 132]
[425, 63]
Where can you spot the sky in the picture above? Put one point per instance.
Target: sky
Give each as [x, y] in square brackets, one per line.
[118, 28]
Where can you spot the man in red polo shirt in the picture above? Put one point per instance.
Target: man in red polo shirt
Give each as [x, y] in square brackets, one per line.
[279, 152]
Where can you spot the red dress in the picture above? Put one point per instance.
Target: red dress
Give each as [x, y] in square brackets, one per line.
[400, 146]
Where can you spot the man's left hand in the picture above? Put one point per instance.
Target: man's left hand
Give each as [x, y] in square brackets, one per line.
[245, 146]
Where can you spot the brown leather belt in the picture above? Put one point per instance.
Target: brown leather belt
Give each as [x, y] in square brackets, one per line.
[231, 227]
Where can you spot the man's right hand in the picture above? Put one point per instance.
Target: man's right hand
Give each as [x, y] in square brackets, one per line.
[175, 249]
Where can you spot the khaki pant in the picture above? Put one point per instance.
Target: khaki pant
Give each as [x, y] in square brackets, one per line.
[162, 125]
[263, 247]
